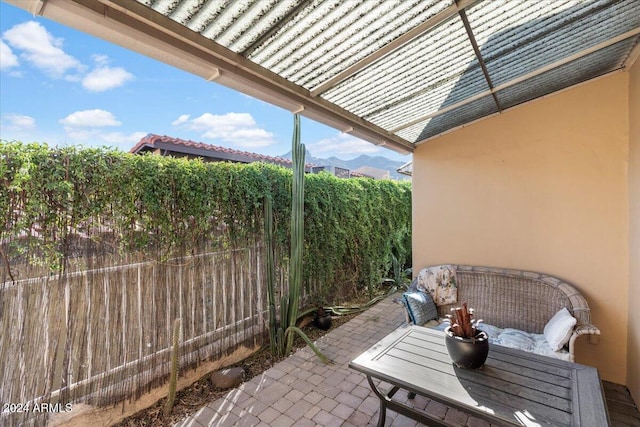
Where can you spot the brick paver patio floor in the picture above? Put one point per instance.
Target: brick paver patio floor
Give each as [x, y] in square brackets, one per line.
[302, 391]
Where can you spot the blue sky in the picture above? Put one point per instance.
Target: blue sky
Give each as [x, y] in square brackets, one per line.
[65, 87]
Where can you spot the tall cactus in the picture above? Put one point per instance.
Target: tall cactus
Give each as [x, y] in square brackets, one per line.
[288, 303]
[271, 275]
[297, 227]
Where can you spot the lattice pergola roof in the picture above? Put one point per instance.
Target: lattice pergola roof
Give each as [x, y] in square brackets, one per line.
[395, 73]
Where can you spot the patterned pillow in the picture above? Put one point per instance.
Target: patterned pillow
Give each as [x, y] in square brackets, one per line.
[420, 307]
[440, 282]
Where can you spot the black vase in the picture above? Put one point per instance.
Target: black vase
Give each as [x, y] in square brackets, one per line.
[467, 353]
[323, 322]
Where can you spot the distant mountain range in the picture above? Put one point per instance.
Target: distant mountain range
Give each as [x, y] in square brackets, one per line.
[378, 162]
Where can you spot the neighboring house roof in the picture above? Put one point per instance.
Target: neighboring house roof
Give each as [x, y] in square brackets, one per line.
[373, 172]
[176, 147]
[339, 172]
[406, 169]
[166, 145]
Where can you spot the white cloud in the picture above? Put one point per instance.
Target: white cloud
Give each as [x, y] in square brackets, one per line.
[101, 79]
[19, 121]
[100, 59]
[82, 134]
[90, 119]
[33, 44]
[119, 138]
[222, 123]
[39, 48]
[104, 77]
[238, 129]
[97, 136]
[343, 145]
[89, 126]
[16, 126]
[7, 58]
[181, 120]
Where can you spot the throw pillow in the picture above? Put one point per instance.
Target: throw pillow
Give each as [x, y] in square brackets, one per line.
[559, 329]
[420, 307]
[403, 303]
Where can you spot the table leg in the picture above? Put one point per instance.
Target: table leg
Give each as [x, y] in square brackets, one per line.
[383, 402]
[386, 402]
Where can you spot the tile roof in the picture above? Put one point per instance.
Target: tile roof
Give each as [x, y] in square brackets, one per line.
[152, 142]
[200, 149]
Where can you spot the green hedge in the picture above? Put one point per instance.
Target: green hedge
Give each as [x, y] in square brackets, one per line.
[52, 197]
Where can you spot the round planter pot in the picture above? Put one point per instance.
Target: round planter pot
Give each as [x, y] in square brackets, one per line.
[322, 322]
[467, 353]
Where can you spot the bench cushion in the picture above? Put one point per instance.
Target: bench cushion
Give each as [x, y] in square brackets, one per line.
[520, 340]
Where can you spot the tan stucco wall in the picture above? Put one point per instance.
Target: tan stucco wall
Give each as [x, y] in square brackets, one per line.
[633, 368]
[541, 187]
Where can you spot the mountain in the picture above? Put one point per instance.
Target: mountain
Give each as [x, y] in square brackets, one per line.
[378, 162]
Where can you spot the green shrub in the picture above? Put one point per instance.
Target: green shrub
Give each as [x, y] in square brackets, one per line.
[60, 205]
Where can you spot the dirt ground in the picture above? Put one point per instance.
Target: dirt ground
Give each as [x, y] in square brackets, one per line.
[192, 398]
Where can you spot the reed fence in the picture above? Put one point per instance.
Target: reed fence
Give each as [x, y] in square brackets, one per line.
[103, 335]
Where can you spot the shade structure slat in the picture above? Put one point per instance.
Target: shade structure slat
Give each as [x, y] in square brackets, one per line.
[456, 117]
[544, 39]
[351, 32]
[590, 66]
[432, 99]
[385, 81]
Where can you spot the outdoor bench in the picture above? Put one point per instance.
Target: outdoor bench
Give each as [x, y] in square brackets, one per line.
[515, 307]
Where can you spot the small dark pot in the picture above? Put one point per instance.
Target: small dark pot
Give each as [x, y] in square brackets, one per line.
[467, 353]
[322, 322]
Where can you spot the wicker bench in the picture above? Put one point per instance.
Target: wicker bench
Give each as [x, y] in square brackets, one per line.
[520, 300]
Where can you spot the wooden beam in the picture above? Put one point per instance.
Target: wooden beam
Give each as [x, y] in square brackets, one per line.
[476, 49]
[633, 56]
[392, 46]
[34, 7]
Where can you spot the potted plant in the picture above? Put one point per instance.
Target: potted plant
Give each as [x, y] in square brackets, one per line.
[468, 347]
[322, 319]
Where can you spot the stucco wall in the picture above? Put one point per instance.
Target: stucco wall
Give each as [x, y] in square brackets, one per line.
[541, 187]
[633, 376]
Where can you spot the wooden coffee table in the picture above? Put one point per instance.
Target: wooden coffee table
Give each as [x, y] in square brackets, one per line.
[513, 387]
